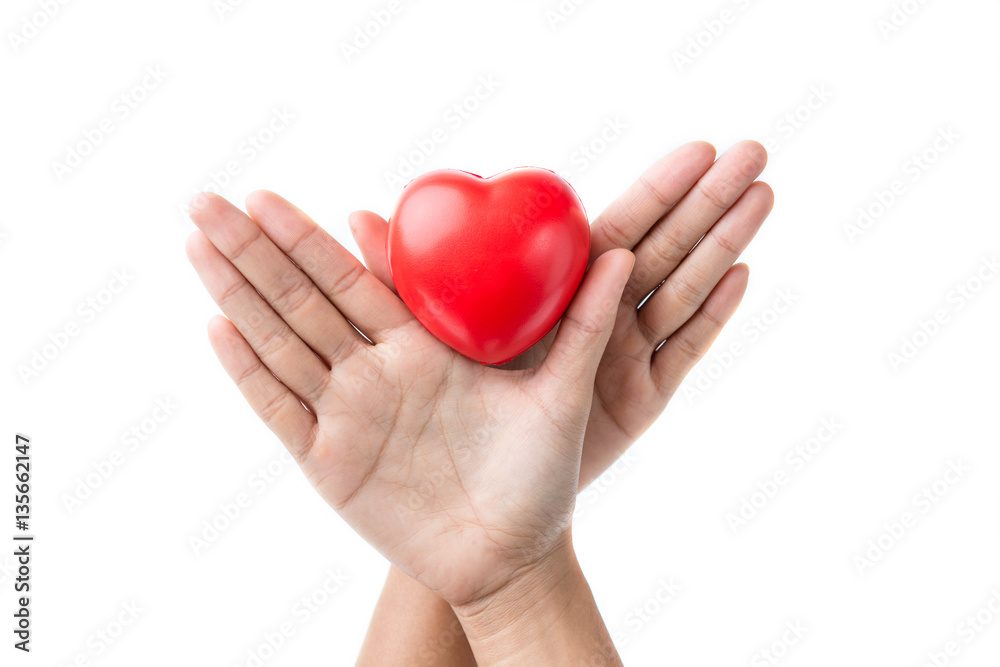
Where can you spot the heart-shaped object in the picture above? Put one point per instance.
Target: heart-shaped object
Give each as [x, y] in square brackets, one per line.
[488, 265]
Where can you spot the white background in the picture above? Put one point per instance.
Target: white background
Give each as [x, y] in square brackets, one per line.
[664, 514]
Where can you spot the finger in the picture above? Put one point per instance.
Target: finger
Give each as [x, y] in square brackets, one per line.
[356, 292]
[284, 353]
[586, 326]
[672, 238]
[680, 352]
[273, 402]
[688, 286]
[287, 289]
[370, 231]
[628, 218]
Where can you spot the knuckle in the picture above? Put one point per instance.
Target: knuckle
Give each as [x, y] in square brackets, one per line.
[715, 194]
[270, 410]
[684, 291]
[726, 244]
[613, 229]
[231, 292]
[586, 327]
[348, 280]
[683, 345]
[247, 374]
[293, 295]
[654, 192]
[666, 249]
[712, 318]
[271, 342]
[299, 245]
[245, 244]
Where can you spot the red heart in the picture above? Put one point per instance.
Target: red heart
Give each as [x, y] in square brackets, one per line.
[488, 265]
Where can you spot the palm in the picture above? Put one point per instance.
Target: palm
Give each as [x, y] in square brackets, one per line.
[681, 199]
[413, 451]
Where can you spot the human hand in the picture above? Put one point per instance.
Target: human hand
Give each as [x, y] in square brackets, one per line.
[369, 419]
[673, 205]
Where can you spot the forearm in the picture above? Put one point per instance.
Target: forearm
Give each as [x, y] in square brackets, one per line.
[547, 616]
[413, 626]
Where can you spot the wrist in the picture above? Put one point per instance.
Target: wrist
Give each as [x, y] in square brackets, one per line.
[413, 626]
[544, 615]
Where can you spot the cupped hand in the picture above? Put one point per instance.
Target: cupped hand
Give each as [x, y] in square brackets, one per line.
[464, 476]
[686, 220]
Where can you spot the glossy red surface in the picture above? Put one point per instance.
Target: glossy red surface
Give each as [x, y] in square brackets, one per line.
[488, 265]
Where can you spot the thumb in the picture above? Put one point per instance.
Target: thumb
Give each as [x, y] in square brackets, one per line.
[586, 327]
[370, 232]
